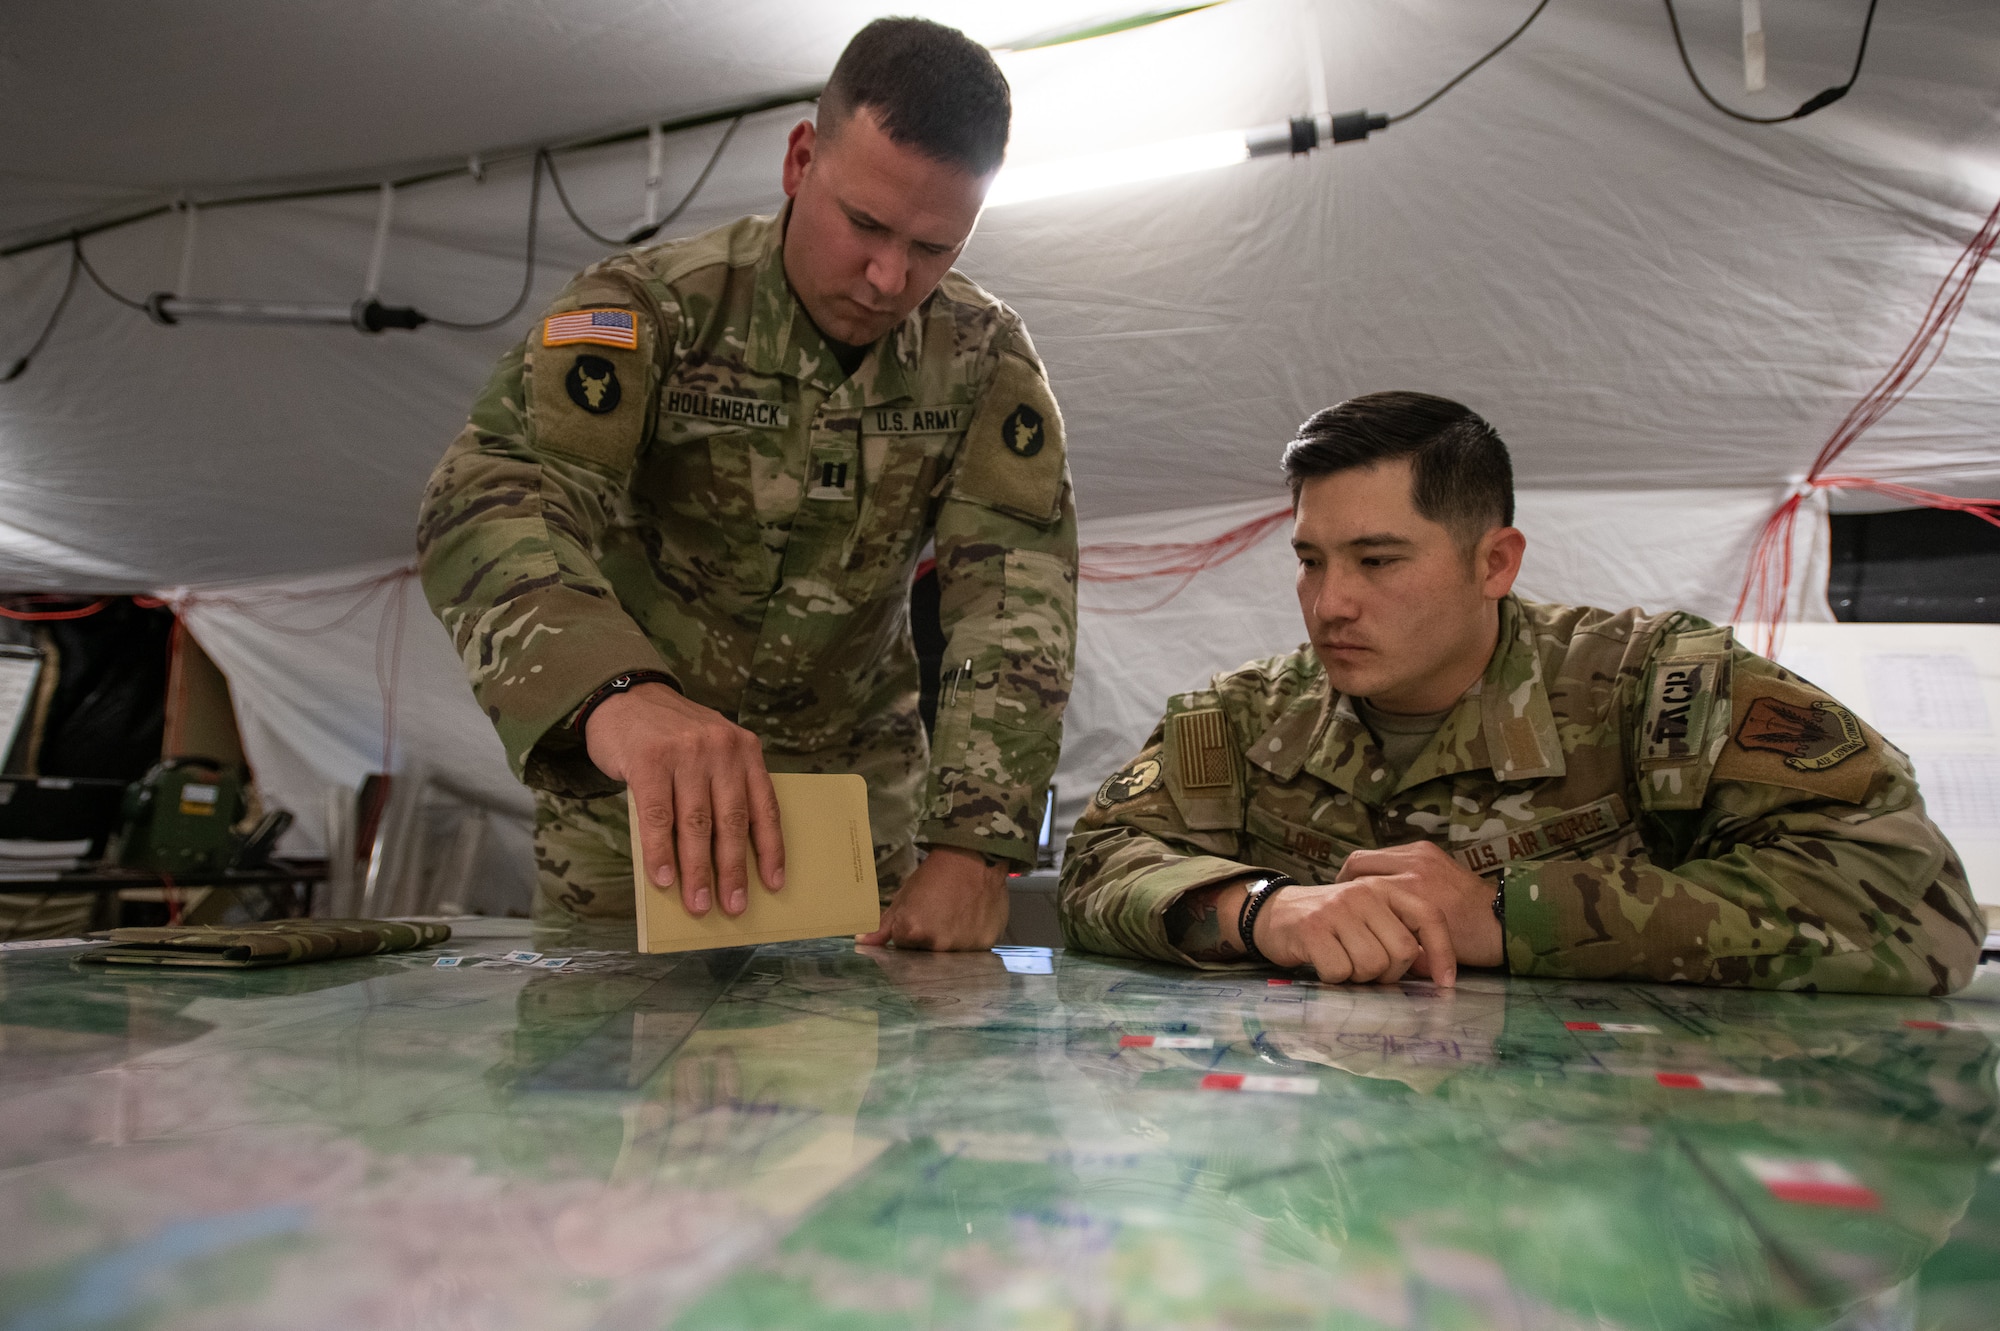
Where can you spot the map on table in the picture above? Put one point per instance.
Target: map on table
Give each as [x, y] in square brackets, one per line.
[813, 1134]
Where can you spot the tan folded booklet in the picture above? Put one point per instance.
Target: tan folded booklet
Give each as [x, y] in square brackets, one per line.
[829, 876]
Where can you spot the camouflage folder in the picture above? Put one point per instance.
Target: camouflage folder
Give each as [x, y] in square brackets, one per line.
[274, 943]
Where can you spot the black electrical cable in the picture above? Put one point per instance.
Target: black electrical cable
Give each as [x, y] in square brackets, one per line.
[736, 112]
[555, 178]
[76, 248]
[1817, 102]
[1474, 66]
[645, 233]
[527, 276]
[648, 231]
[20, 367]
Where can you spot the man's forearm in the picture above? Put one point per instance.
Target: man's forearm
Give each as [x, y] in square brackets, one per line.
[1202, 923]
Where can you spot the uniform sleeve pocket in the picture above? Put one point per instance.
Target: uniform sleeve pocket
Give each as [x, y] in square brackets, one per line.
[1036, 637]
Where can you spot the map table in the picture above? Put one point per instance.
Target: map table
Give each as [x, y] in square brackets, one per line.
[810, 1135]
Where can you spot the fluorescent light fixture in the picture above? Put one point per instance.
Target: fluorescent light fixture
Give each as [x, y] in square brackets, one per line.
[1120, 166]
[1177, 157]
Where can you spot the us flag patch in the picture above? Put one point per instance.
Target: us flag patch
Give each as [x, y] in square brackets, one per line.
[604, 328]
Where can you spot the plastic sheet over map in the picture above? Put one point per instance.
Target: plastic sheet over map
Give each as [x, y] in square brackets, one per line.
[811, 1134]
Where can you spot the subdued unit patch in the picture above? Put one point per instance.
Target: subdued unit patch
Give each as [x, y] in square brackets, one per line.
[1130, 783]
[1795, 736]
[1013, 457]
[589, 405]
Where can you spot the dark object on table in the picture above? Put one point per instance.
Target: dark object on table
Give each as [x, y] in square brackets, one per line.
[180, 817]
[273, 943]
[60, 808]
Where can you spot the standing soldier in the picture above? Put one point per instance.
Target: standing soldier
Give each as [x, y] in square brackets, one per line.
[674, 544]
[1447, 773]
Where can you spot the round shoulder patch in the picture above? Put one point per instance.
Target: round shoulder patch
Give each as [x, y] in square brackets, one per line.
[1022, 431]
[592, 383]
[1130, 783]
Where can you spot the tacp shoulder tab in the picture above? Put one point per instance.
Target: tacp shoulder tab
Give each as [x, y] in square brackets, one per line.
[1686, 717]
[1013, 458]
[1204, 767]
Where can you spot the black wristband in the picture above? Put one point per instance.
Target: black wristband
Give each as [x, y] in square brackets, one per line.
[1257, 892]
[1500, 900]
[631, 679]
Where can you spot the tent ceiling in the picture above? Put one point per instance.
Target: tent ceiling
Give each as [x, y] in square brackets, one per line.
[206, 94]
[1639, 292]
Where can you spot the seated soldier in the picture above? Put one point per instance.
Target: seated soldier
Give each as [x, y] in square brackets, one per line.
[1448, 774]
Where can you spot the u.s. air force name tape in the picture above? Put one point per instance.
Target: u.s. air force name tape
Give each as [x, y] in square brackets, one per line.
[1572, 829]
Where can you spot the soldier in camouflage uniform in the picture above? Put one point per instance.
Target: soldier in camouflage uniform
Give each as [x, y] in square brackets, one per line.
[674, 545]
[1447, 773]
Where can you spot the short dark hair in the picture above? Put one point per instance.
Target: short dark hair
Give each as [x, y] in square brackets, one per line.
[1460, 474]
[932, 88]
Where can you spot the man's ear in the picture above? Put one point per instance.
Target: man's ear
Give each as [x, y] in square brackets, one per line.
[1497, 561]
[799, 150]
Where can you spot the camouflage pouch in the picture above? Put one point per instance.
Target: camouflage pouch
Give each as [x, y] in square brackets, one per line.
[273, 943]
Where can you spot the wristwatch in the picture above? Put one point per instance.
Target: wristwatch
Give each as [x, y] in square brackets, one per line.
[1255, 893]
[631, 679]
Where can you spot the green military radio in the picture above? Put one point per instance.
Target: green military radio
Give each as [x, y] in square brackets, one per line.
[181, 817]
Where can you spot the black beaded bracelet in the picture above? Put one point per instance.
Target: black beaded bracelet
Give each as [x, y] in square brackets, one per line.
[1256, 893]
[1500, 900]
[631, 679]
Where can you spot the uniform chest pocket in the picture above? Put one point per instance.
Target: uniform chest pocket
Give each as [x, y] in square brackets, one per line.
[1317, 851]
[897, 474]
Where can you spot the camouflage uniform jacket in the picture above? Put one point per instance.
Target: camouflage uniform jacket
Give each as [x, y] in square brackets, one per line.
[678, 476]
[1659, 803]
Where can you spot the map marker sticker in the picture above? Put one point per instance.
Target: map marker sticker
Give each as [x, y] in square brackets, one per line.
[1239, 1081]
[446, 963]
[1689, 1081]
[552, 963]
[1811, 1182]
[1611, 1027]
[1166, 1042]
[1943, 1025]
[521, 956]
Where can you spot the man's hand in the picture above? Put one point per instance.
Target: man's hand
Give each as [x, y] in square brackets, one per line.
[954, 902]
[699, 782]
[1406, 910]
[1428, 871]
